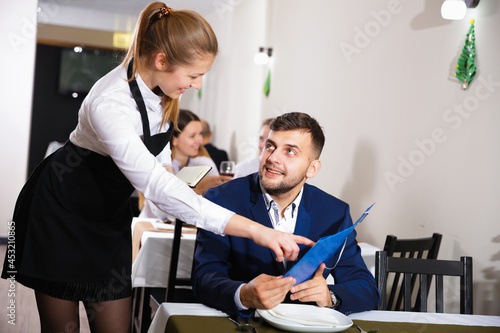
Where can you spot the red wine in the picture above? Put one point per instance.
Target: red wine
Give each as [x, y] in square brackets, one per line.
[230, 174]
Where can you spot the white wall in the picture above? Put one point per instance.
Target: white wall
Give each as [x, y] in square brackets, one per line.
[17, 59]
[232, 91]
[387, 104]
[379, 107]
[396, 90]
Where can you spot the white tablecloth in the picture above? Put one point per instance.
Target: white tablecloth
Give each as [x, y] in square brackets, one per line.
[194, 309]
[368, 253]
[428, 318]
[151, 267]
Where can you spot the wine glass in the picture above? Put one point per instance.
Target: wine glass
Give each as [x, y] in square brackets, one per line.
[227, 168]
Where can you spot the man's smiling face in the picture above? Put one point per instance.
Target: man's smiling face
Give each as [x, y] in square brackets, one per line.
[285, 161]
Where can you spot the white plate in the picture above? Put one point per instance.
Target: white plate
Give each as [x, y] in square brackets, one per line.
[306, 318]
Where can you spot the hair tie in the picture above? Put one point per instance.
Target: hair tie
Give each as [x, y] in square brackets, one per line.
[165, 11]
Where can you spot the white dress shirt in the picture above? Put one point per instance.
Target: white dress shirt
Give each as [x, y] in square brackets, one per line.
[110, 124]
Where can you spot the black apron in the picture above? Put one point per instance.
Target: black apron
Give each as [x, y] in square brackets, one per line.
[72, 222]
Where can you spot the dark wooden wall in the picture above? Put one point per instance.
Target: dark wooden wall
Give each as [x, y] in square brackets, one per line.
[54, 116]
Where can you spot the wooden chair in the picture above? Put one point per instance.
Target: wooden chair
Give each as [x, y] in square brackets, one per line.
[426, 248]
[178, 289]
[424, 267]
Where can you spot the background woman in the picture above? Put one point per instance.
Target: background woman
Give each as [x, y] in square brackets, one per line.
[188, 150]
[72, 218]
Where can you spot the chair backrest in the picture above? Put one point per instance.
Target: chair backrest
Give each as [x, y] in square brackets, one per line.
[424, 268]
[174, 294]
[426, 248]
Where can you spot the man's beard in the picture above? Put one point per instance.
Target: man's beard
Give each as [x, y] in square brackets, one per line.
[283, 186]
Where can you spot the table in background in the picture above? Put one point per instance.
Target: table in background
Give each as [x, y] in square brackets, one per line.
[152, 264]
[368, 252]
[386, 321]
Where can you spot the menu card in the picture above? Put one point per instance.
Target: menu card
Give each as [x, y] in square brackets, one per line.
[324, 249]
[192, 175]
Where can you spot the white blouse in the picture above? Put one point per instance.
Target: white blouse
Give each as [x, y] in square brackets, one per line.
[110, 124]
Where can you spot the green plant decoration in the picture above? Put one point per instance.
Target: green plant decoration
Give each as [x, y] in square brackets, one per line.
[466, 69]
[267, 84]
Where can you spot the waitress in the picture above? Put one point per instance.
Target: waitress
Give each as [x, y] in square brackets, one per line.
[73, 216]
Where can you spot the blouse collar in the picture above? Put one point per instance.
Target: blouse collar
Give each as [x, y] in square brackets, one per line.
[151, 99]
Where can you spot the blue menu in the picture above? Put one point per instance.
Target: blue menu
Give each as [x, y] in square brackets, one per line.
[323, 250]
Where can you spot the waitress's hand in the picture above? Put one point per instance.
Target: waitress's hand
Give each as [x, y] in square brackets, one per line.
[283, 244]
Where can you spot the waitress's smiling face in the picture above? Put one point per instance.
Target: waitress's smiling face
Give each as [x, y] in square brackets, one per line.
[176, 81]
[189, 140]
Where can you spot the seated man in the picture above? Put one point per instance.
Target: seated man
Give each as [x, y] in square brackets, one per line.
[234, 274]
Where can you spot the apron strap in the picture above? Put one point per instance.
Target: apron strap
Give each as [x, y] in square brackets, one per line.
[136, 93]
[156, 143]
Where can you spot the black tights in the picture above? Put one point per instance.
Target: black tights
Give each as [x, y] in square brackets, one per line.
[57, 315]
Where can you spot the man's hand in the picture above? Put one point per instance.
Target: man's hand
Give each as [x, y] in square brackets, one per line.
[265, 291]
[313, 290]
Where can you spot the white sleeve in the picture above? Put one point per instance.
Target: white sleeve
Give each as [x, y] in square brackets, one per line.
[115, 130]
[237, 299]
[165, 157]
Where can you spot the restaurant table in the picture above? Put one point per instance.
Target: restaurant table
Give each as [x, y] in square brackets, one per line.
[152, 262]
[194, 317]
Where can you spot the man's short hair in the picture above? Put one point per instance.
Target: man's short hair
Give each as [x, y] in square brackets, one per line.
[301, 121]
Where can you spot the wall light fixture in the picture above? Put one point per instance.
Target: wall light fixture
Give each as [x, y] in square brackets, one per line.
[456, 9]
[262, 57]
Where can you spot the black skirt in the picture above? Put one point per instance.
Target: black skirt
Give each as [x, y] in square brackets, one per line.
[72, 228]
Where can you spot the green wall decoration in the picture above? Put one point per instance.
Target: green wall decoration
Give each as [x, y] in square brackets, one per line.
[267, 84]
[466, 69]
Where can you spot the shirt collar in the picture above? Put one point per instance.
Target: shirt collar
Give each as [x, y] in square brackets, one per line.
[150, 98]
[269, 200]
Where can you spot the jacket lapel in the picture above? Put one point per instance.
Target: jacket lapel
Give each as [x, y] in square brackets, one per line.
[259, 213]
[303, 225]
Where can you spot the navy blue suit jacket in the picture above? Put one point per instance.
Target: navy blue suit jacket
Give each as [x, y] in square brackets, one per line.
[222, 263]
